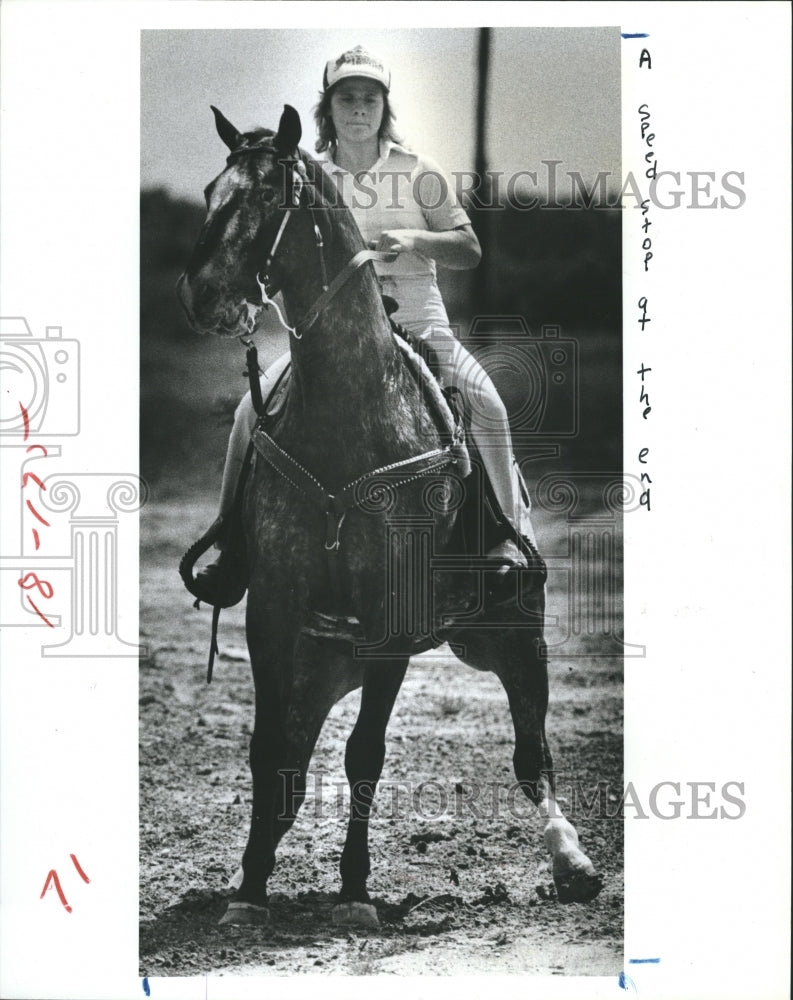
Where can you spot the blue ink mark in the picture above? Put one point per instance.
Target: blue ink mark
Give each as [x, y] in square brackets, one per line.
[626, 983]
[644, 961]
[637, 34]
[146, 989]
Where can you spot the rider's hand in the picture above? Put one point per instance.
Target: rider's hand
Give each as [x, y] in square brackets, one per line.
[393, 241]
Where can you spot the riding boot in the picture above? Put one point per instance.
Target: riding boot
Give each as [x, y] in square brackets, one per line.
[223, 583]
[516, 552]
[522, 570]
[509, 555]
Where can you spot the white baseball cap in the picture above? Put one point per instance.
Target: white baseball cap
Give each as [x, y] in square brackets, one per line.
[356, 62]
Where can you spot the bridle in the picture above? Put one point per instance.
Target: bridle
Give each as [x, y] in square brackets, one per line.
[297, 187]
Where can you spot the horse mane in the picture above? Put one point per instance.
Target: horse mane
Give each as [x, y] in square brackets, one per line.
[317, 175]
[328, 197]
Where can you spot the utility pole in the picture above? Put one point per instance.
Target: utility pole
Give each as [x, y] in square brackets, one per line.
[481, 191]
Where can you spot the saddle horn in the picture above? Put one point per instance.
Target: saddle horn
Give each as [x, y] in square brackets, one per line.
[226, 130]
[289, 131]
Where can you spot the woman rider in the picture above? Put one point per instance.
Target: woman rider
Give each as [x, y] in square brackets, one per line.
[402, 203]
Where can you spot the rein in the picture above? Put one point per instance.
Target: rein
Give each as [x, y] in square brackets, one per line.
[309, 318]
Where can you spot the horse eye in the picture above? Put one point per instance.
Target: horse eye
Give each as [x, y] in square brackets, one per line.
[268, 193]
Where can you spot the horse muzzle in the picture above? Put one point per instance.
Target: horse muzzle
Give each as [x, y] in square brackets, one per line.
[208, 313]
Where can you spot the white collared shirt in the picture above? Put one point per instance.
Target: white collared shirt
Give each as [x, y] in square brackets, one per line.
[402, 190]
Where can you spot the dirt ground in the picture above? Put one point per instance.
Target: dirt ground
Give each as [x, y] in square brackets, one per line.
[461, 886]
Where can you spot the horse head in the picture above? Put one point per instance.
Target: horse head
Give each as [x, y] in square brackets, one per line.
[267, 182]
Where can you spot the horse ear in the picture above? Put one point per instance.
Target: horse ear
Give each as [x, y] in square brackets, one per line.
[289, 131]
[226, 130]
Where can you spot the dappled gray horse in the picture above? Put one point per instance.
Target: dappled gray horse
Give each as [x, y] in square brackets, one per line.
[355, 469]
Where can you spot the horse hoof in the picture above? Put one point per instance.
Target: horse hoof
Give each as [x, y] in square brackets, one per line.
[577, 887]
[355, 915]
[244, 913]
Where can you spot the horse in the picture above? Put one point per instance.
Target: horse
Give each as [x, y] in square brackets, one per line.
[353, 471]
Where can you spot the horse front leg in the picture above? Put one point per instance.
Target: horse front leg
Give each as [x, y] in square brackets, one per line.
[363, 763]
[321, 676]
[526, 686]
[249, 905]
[267, 750]
[289, 718]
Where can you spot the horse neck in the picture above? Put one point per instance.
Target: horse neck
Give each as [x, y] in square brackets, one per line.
[345, 359]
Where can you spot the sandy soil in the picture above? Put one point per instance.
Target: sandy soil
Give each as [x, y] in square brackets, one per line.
[461, 886]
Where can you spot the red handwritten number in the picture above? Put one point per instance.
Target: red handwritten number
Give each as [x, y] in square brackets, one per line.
[42, 585]
[53, 878]
[43, 617]
[80, 872]
[36, 514]
[34, 477]
[25, 421]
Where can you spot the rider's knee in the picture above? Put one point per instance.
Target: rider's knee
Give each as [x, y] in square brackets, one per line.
[485, 405]
[245, 413]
